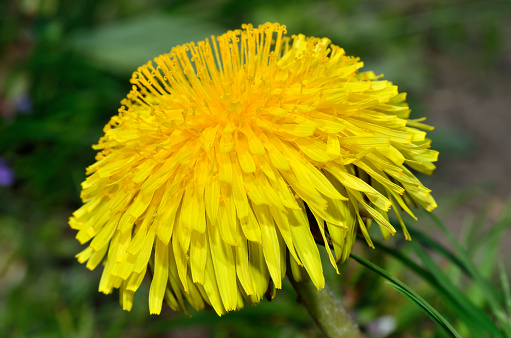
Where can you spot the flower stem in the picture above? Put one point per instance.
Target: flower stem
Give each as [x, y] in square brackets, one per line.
[327, 311]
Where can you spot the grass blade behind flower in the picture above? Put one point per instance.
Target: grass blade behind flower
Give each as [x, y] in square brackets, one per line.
[487, 288]
[474, 318]
[409, 293]
[478, 316]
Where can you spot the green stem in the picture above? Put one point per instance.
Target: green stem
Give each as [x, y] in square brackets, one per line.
[328, 313]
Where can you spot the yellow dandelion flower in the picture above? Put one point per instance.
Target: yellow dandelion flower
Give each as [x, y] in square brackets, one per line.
[232, 153]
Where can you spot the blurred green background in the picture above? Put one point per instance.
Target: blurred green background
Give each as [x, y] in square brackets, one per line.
[65, 66]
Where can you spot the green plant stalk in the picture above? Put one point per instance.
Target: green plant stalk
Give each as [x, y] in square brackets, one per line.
[326, 310]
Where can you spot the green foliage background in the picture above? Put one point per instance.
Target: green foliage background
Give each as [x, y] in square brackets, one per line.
[65, 66]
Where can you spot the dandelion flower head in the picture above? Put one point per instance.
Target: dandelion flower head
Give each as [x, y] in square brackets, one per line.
[231, 157]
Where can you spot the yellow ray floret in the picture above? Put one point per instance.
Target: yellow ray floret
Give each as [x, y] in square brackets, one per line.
[232, 155]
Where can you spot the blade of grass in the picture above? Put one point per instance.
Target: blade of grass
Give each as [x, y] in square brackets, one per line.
[466, 315]
[478, 278]
[505, 286]
[475, 222]
[507, 293]
[434, 245]
[432, 314]
[405, 260]
[497, 228]
[487, 262]
[459, 297]
[400, 286]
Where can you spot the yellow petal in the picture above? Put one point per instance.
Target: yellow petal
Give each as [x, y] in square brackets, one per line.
[271, 249]
[198, 256]
[159, 282]
[225, 270]
[306, 248]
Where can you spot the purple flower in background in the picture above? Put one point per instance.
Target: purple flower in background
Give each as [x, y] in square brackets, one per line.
[6, 174]
[24, 104]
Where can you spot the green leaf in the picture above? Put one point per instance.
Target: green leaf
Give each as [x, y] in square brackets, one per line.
[409, 293]
[124, 46]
